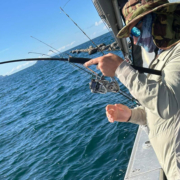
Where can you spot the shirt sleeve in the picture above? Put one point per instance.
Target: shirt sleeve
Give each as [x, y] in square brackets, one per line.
[138, 116]
[161, 98]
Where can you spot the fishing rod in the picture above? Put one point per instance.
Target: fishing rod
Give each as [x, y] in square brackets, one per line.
[82, 61]
[70, 59]
[34, 59]
[81, 30]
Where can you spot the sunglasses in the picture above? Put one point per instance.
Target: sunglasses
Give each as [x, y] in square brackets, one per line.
[136, 31]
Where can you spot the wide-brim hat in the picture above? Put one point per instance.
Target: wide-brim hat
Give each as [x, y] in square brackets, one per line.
[167, 21]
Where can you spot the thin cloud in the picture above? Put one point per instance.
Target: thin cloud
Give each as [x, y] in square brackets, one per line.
[89, 27]
[99, 32]
[105, 28]
[4, 50]
[94, 34]
[98, 23]
[19, 67]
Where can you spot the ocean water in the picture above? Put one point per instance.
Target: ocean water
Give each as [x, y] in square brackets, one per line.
[53, 128]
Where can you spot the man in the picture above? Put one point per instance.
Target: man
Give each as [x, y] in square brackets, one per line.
[158, 25]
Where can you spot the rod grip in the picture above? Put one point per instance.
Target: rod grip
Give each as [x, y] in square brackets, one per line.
[78, 60]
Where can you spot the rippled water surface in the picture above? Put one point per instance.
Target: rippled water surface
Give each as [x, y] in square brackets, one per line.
[53, 128]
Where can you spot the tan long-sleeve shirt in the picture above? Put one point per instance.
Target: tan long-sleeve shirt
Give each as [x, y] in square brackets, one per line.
[160, 110]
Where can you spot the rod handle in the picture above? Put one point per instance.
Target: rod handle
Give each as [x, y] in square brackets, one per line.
[78, 60]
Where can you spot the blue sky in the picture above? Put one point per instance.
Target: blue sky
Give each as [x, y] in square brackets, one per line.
[44, 20]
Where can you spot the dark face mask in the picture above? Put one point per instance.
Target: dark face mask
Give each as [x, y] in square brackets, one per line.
[146, 39]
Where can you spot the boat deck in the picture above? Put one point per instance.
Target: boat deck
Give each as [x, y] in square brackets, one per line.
[143, 164]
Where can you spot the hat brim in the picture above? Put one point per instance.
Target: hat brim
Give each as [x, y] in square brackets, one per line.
[125, 31]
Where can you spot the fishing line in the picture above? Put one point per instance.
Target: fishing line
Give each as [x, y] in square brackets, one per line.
[38, 53]
[48, 45]
[81, 69]
[81, 30]
[93, 72]
[66, 3]
[55, 53]
[129, 97]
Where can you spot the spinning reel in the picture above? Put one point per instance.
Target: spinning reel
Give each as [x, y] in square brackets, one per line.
[103, 86]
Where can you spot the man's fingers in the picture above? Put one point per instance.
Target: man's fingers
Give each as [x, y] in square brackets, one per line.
[109, 106]
[111, 112]
[91, 62]
[110, 119]
[119, 106]
[107, 114]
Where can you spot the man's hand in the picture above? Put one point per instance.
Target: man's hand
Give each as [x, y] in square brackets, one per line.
[107, 64]
[118, 112]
